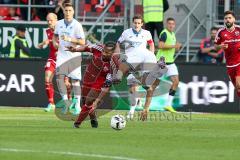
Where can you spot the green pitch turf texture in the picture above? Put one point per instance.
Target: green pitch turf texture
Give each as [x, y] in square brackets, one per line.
[31, 134]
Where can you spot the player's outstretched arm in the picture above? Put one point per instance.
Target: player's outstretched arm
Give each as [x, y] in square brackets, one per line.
[76, 49]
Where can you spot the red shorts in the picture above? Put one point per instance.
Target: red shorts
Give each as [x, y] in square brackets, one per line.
[86, 90]
[50, 65]
[234, 72]
[87, 87]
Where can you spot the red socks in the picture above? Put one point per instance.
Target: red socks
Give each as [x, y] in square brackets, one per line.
[86, 110]
[50, 92]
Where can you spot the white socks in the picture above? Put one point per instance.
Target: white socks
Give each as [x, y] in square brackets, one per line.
[77, 105]
[132, 109]
[170, 100]
[64, 97]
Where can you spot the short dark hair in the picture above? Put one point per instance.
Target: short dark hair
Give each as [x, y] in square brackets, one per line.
[138, 16]
[214, 29]
[110, 44]
[229, 12]
[21, 28]
[170, 19]
[68, 5]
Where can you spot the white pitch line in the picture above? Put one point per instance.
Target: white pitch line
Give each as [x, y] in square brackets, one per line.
[68, 153]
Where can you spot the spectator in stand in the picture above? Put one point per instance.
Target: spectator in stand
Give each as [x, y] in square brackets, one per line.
[59, 8]
[208, 53]
[35, 16]
[8, 1]
[12, 14]
[42, 12]
[23, 10]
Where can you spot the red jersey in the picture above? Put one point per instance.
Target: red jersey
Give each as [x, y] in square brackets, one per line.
[232, 38]
[53, 50]
[98, 68]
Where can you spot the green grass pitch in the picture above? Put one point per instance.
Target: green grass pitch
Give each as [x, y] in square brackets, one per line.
[31, 134]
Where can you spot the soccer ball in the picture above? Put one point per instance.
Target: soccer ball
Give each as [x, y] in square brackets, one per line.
[118, 122]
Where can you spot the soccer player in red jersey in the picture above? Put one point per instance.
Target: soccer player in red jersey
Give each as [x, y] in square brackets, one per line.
[51, 62]
[93, 89]
[228, 38]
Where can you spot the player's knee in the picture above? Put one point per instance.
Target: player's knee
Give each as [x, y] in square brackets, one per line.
[156, 83]
[153, 86]
[89, 102]
[151, 89]
[133, 89]
[47, 80]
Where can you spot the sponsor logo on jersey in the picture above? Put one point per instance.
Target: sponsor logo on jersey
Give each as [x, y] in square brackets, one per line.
[232, 40]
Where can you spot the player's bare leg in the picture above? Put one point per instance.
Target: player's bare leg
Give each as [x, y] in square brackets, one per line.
[49, 90]
[67, 82]
[172, 91]
[90, 101]
[150, 91]
[63, 92]
[133, 98]
[61, 86]
[238, 85]
[150, 81]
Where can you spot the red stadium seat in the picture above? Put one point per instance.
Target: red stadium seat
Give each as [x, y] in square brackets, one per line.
[3, 11]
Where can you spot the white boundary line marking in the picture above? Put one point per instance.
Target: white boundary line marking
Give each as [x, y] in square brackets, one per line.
[67, 153]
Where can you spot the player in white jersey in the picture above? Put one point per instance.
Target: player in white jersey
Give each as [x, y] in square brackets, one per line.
[135, 41]
[69, 32]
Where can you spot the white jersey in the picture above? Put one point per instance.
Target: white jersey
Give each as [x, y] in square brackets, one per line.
[136, 50]
[72, 30]
[135, 41]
